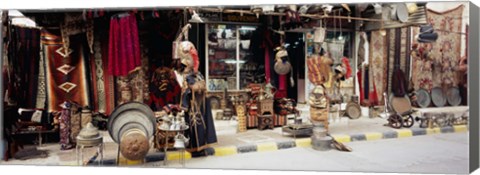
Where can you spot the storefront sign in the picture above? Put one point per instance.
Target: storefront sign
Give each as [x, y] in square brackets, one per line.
[232, 17]
[240, 18]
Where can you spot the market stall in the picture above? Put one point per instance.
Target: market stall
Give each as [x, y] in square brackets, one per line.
[176, 74]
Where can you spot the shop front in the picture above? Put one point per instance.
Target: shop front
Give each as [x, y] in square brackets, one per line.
[193, 80]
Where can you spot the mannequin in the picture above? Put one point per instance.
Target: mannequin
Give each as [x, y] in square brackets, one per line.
[193, 100]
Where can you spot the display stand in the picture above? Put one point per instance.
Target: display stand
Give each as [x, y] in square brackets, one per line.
[181, 151]
[82, 143]
[298, 129]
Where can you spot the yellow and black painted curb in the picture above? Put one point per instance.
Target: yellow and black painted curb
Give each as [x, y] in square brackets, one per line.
[304, 142]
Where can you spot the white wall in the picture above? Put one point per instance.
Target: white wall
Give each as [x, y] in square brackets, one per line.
[445, 6]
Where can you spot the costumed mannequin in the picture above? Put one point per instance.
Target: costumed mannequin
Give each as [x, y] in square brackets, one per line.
[193, 100]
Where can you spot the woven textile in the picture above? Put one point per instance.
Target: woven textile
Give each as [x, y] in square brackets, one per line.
[448, 44]
[422, 73]
[378, 57]
[23, 55]
[398, 49]
[66, 76]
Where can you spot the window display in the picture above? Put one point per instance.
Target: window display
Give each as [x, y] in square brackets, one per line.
[230, 64]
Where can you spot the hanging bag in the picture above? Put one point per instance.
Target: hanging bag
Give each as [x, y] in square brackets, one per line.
[282, 65]
[319, 35]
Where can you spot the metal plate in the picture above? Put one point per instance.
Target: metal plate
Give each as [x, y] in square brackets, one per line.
[402, 12]
[453, 96]
[438, 98]
[423, 98]
[400, 104]
[128, 113]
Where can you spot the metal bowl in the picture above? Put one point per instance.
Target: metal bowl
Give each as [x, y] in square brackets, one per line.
[423, 98]
[438, 98]
[453, 96]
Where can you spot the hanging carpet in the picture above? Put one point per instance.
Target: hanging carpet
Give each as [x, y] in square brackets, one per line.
[66, 77]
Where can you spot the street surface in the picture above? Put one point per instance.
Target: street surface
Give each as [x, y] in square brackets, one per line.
[438, 154]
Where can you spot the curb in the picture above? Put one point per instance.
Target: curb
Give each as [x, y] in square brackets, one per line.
[302, 142]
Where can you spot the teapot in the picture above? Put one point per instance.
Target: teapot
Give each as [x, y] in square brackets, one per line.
[180, 141]
[166, 123]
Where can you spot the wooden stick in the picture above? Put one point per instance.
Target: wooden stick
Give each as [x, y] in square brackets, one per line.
[283, 14]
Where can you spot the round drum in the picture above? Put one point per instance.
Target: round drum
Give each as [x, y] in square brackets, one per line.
[423, 98]
[438, 98]
[400, 104]
[453, 96]
[353, 111]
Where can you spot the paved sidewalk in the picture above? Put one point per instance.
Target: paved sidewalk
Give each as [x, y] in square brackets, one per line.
[230, 142]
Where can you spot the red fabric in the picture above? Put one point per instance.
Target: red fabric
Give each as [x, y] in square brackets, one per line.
[359, 77]
[373, 97]
[124, 46]
[282, 87]
[348, 68]
[267, 64]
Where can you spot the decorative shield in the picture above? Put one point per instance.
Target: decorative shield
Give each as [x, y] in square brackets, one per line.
[438, 97]
[453, 96]
[423, 98]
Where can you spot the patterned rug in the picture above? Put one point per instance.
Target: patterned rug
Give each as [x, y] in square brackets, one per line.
[24, 60]
[398, 49]
[421, 73]
[41, 90]
[378, 57]
[66, 77]
[103, 90]
[448, 44]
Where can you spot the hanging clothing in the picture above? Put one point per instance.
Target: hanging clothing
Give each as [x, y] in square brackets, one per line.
[124, 47]
[199, 115]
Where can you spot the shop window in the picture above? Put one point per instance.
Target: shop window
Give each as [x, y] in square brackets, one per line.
[228, 56]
